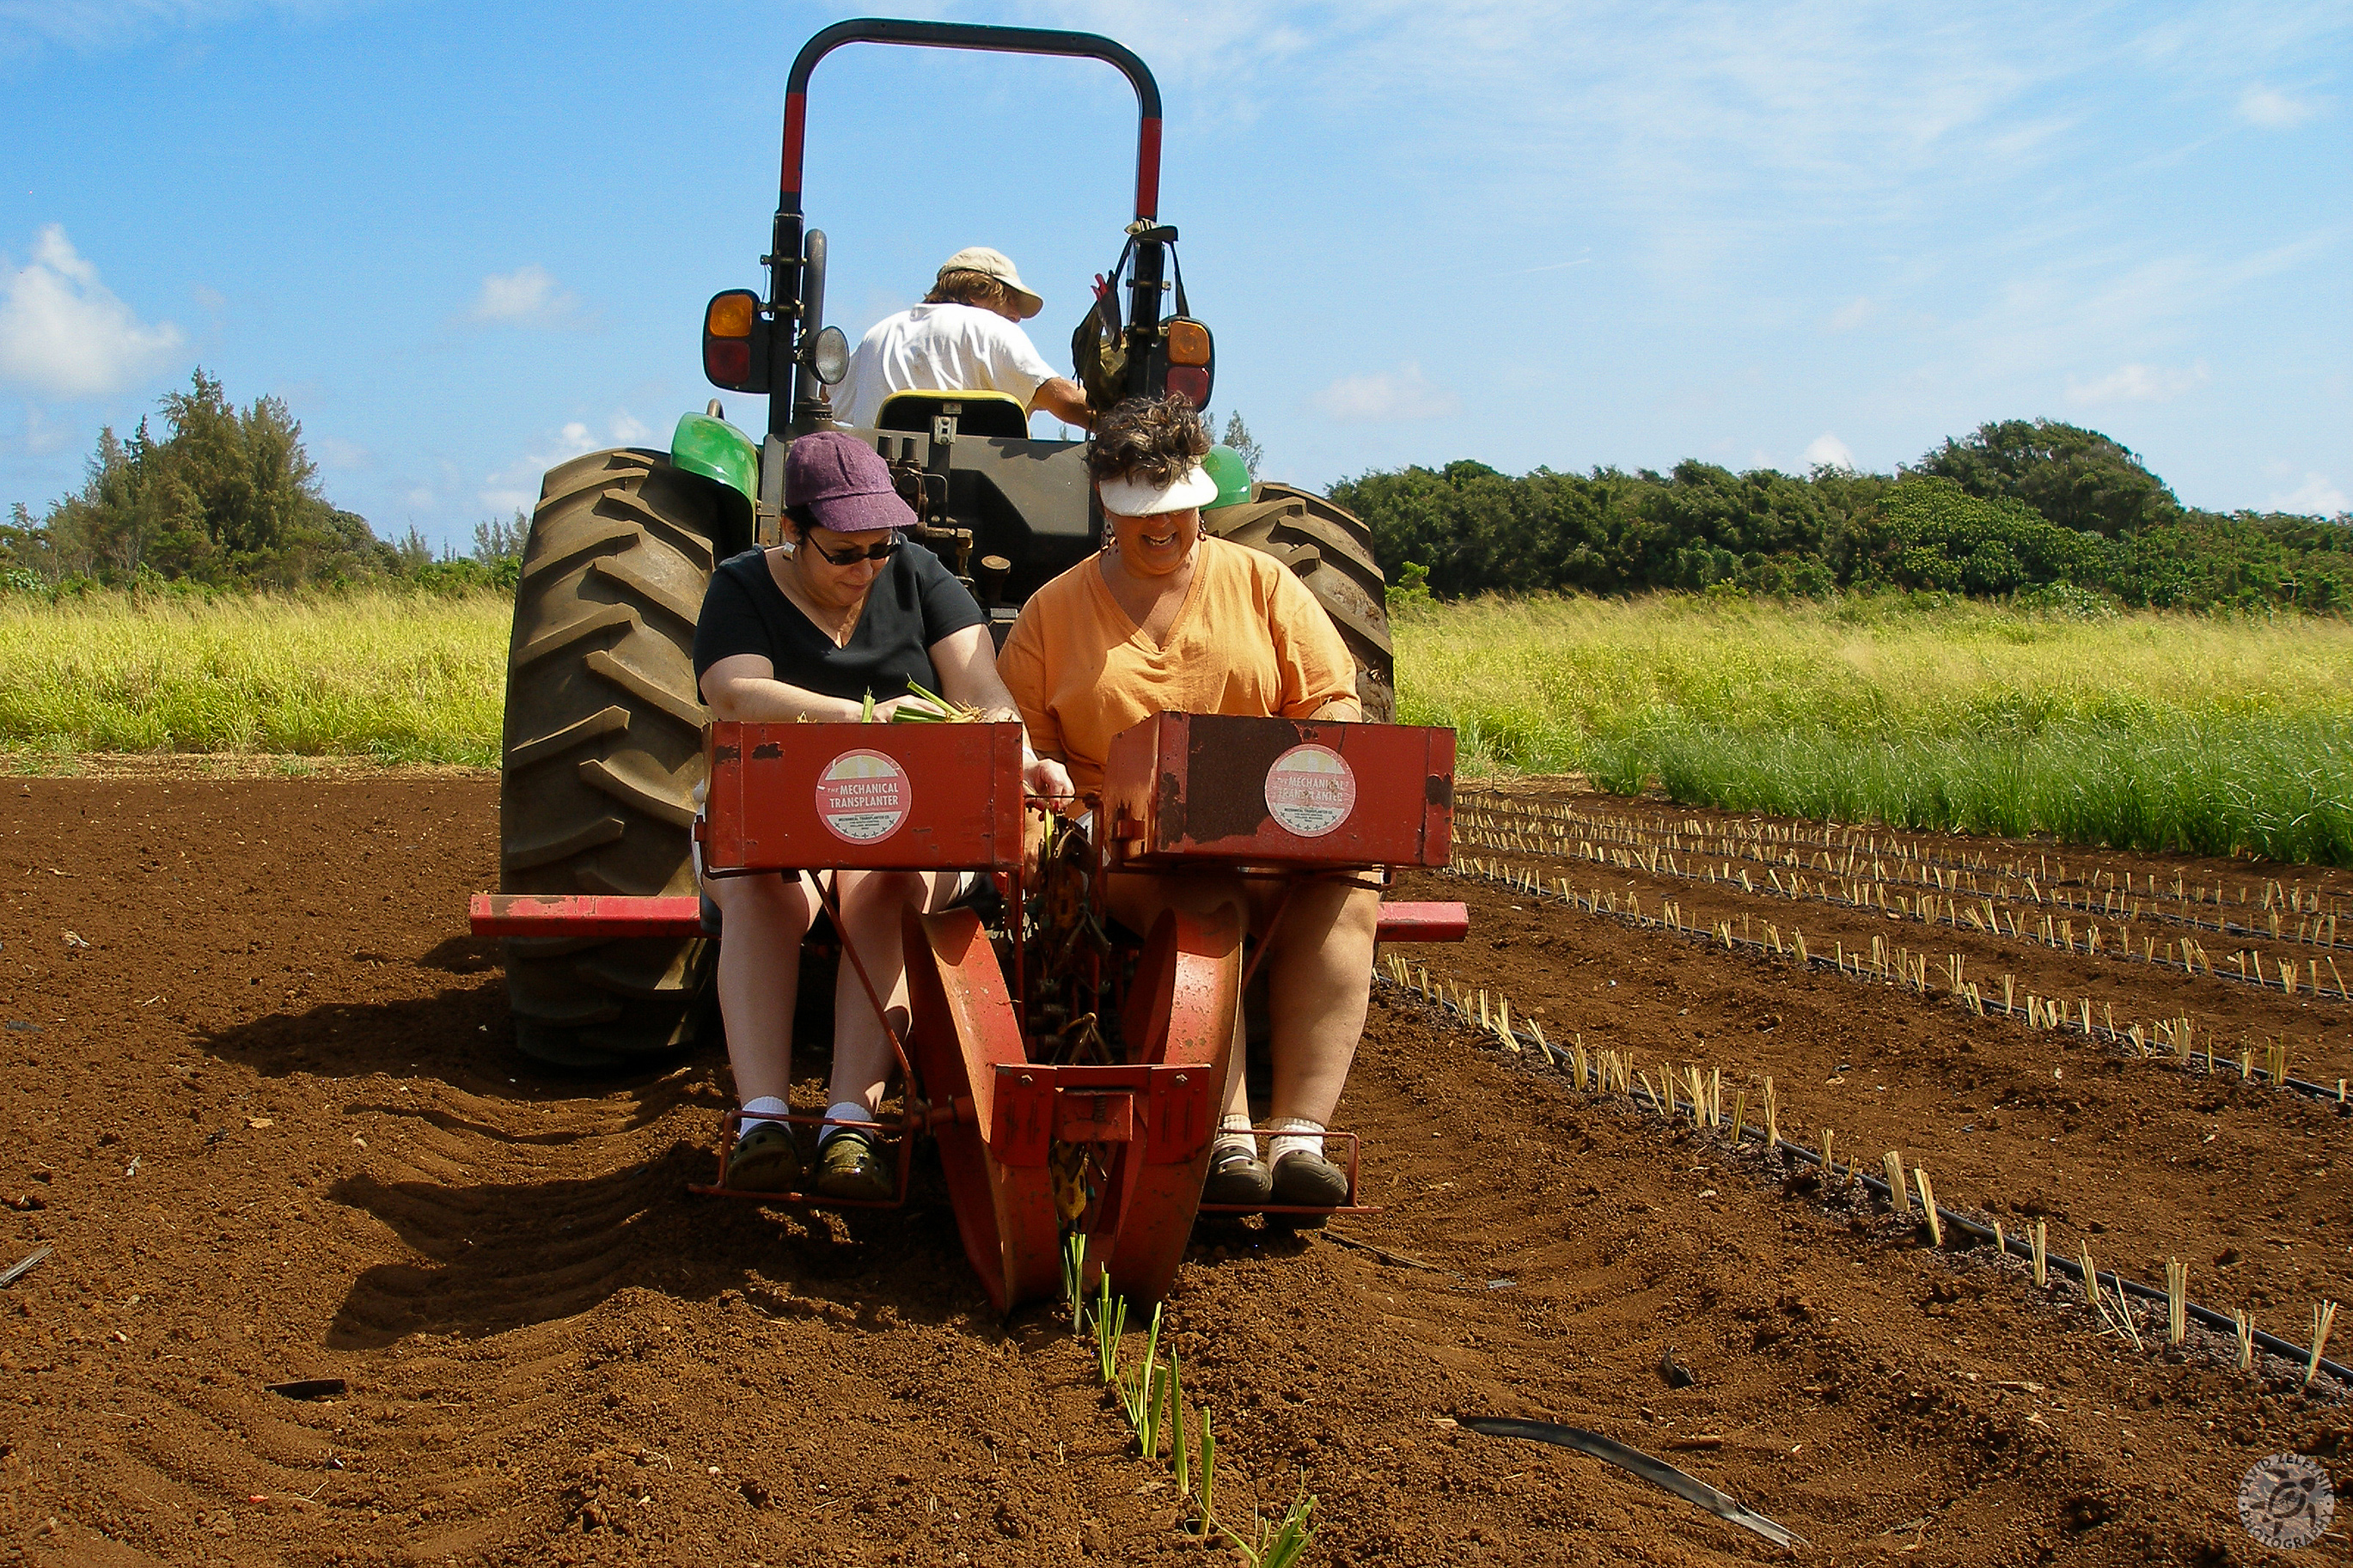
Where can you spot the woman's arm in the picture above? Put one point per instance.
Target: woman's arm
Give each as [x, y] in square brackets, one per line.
[744, 687]
[966, 662]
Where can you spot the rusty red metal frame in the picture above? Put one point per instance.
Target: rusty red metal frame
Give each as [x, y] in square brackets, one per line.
[930, 799]
[1180, 788]
[603, 915]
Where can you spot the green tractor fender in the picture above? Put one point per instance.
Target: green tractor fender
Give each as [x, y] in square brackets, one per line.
[707, 447]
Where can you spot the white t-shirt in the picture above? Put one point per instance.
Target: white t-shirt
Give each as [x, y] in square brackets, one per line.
[945, 347]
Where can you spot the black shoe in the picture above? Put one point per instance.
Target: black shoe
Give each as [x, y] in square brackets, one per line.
[1302, 1180]
[850, 1165]
[764, 1161]
[1237, 1176]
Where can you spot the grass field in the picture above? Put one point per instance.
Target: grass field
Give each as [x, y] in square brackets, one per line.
[2149, 731]
[398, 677]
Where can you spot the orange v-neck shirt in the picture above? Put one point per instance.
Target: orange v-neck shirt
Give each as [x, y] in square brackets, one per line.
[1249, 640]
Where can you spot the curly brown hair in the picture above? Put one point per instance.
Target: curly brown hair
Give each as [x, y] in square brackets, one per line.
[1150, 439]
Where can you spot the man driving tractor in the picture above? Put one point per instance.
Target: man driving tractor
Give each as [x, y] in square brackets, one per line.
[966, 336]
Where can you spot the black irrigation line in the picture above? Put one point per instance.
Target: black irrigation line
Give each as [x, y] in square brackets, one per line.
[2115, 1036]
[2152, 910]
[2312, 988]
[1979, 1230]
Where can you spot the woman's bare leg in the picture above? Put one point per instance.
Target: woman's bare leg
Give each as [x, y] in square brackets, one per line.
[1319, 984]
[872, 903]
[759, 976]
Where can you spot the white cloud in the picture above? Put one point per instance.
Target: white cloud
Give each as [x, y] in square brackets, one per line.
[63, 333]
[1853, 313]
[1386, 397]
[337, 454]
[2273, 109]
[2136, 383]
[39, 437]
[2315, 496]
[516, 486]
[92, 25]
[527, 297]
[1827, 448]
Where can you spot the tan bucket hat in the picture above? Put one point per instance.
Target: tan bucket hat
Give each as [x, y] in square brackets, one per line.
[995, 264]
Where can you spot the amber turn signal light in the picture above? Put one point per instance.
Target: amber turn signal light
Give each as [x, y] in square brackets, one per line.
[730, 315]
[1188, 343]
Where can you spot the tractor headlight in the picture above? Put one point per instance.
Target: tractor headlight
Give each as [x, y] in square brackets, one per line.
[829, 356]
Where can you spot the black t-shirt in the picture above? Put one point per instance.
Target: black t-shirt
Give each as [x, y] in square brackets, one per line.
[915, 603]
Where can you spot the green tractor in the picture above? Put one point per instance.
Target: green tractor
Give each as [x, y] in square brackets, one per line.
[602, 749]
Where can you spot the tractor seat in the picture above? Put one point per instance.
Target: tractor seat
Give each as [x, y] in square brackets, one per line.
[975, 413]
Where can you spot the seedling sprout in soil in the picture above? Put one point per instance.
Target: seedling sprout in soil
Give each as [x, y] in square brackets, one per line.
[2323, 1317]
[1911, 970]
[1612, 1073]
[1155, 1397]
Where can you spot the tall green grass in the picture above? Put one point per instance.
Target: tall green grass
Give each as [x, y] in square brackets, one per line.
[398, 677]
[2149, 731]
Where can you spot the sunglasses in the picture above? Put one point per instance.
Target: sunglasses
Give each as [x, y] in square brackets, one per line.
[879, 550]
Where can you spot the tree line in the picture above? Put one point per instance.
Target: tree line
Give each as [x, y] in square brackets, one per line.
[2018, 508]
[227, 498]
[224, 498]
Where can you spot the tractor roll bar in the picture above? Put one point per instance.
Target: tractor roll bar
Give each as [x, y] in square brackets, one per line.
[972, 36]
[800, 411]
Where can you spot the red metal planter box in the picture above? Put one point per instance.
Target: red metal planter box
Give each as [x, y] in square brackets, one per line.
[922, 797]
[1280, 792]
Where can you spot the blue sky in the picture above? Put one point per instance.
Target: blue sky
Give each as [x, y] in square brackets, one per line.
[465, 242]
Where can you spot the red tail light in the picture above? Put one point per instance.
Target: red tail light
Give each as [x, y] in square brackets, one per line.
[727, 360]
[1191, 383]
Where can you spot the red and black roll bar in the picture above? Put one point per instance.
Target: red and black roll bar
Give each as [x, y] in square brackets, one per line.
[785, 259]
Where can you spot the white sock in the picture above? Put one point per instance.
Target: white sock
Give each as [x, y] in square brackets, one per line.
[1293, 1133]
[1234, 1132]
[844, 1110]
[759, 1113]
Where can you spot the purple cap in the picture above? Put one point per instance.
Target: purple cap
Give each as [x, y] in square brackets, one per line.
[844, 482]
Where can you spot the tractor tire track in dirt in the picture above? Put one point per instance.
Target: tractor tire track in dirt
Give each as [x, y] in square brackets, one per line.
[273, 1122]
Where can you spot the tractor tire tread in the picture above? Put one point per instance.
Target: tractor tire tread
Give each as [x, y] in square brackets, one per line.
[1331, 551]
[600, 676]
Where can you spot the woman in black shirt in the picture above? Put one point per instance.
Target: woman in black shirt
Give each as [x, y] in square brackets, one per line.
[809, 629]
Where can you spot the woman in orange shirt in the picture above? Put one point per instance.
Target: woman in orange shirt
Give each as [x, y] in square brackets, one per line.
[1166, 620]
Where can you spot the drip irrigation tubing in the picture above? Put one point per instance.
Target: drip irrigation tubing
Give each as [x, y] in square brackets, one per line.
[1652, 867]
[2014, 1247]
[2152, 908]
[1722, 936]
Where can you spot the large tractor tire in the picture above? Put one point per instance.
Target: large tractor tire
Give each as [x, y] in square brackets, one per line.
[1331, 553]
[603, 750]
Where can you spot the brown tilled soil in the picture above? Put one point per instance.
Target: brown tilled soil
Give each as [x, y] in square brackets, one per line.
[262, 1101]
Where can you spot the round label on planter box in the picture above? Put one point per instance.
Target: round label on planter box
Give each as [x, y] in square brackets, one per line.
[1310, 790]
[862, 797]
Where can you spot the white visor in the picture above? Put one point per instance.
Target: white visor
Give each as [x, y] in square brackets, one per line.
[1137, 498]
